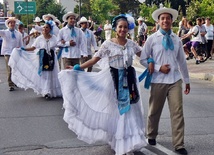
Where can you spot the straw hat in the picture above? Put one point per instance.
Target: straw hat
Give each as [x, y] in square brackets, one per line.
[140, 19]
[58, 21]
[9, 20]
[162, 10]
[83, 20]
[65, 16]
[37, 19]
[48, 15]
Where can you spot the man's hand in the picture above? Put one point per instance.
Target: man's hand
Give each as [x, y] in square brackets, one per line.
[72, 43]
[151, 68]
[187, 89]
[63, 41]
[165, 68]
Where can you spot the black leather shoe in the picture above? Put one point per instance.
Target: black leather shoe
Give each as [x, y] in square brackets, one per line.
[152, 141]
[181, 151]
[11, 89]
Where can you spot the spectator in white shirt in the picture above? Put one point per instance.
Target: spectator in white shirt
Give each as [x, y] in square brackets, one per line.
[209, 36]
[107, 29]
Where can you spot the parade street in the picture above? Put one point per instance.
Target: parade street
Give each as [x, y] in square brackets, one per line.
[32, 125]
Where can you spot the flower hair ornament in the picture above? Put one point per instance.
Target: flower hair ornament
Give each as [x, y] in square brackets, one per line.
[127, 17]
[51, 23]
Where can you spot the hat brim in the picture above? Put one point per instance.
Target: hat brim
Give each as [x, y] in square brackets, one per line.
[48, 15]
[9, 20]
[36, 21]
[64, 18]
[160, 11]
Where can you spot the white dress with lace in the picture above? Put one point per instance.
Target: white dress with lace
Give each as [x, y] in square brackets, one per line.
[91, 106]
[25, 66]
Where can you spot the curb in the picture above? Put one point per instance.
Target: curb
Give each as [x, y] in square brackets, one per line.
[202, 76]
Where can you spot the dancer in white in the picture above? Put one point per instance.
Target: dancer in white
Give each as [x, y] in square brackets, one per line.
[11, 39]
[106, 106]
[31, 69]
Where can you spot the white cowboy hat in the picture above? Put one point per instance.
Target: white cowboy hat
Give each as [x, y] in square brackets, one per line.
[140, 19]
[58, 21]
[65, 16]
[162, 10]
[83, 20]
[37, 19]
[11, 19]
[48, 15]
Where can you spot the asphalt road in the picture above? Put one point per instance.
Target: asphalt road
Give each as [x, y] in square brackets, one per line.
[31, 125]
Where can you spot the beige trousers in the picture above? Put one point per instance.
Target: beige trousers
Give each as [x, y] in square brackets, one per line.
[159, 94]
[82, 60]
[70, 62]
[10, 83]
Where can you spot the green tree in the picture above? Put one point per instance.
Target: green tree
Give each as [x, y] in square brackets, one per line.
[127, 6]
[102, 9]
[49, 6]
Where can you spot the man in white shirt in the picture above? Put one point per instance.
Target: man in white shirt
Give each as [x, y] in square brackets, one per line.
[72, 41]
[107, 29]
[91, 41]
[142, 31]
[11, 39]
[165, 48]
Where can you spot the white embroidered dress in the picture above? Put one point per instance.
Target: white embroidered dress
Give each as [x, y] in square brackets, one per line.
[25, 66]
[91, 106]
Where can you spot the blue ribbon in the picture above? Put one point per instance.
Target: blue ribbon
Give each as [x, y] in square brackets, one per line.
[123, 94]
[73, 33]
[146, 75]
[77, 68]
[167, 40]
[13, 33]
[60, 52]
[87, 34]
[41, 55]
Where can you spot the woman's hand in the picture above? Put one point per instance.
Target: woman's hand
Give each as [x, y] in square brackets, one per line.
[69, 67]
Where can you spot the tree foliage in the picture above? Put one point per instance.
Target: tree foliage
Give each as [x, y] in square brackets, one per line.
[102, 9]
[49, 6]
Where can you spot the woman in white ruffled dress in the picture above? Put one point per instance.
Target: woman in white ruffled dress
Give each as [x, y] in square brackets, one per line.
[27, 68]
[94, 110]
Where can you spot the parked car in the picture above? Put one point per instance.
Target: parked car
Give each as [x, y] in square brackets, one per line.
[2, 27]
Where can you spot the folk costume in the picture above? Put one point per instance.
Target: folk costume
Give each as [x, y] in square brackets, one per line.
[97, 109]
[11, 39]
[30, 71]
[71, 54]
[91, 41]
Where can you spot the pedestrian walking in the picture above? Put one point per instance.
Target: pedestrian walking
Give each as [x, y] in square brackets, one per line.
[11, 39]
[142, 31]
[106, 106]
[91, 41]
[107, 29]
[209, 36]
[36, 67]
[166, 49]
[72, 41]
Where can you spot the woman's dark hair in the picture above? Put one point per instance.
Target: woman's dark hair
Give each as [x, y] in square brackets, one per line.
[49, 25]
[190, 23]
[121, 19]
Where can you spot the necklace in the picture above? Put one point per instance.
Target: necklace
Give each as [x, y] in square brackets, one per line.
[121, 44]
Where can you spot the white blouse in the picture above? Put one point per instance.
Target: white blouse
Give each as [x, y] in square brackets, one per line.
[116, 55]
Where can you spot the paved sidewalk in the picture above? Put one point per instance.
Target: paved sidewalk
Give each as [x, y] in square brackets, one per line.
[203, 71]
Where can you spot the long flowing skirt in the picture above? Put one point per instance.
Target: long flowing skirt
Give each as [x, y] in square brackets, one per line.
[25, 75]
[91, 111]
